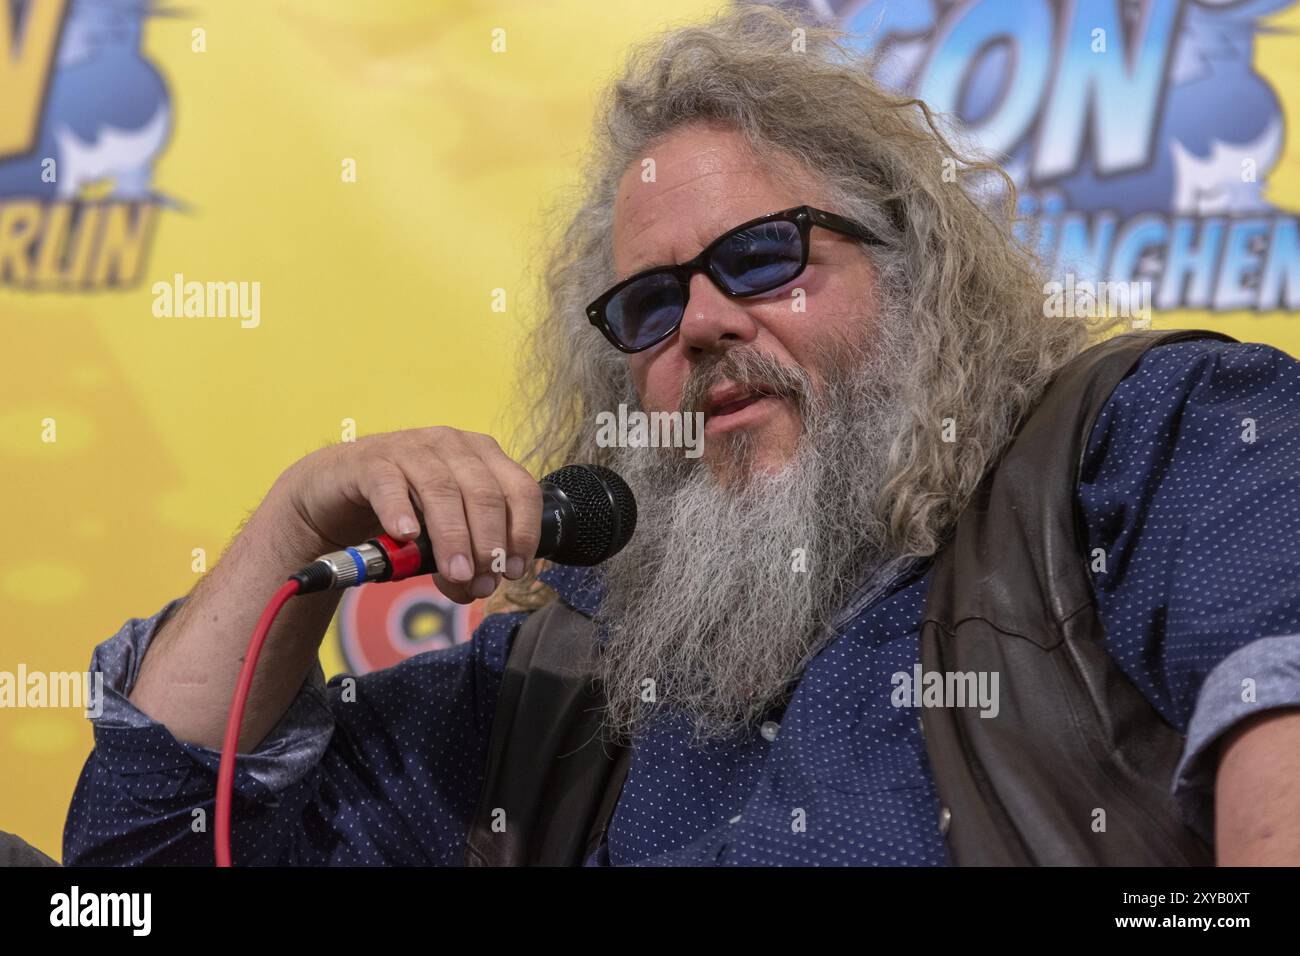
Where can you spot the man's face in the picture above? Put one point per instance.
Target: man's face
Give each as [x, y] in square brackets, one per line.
[705, 184]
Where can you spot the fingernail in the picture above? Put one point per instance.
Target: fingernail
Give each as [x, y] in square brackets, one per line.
[514, 567]
[461, 569]
[408, 525]
[483, 585]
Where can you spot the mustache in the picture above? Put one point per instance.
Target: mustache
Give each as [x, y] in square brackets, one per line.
[747, 367]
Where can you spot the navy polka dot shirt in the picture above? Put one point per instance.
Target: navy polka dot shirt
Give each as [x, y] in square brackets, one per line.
[1191, 490]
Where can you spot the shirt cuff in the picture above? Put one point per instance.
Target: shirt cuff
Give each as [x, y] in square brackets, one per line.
[1262, 675]
[131, 743]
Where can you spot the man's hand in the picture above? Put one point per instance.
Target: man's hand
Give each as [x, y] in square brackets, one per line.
[476, 503]
[1257, 793]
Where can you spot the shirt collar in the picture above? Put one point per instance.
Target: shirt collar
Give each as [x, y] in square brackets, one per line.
[579, 588]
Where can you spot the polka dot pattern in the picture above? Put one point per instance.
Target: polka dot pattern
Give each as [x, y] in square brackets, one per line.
[385, 772]
[845, 782]
[1190, 488]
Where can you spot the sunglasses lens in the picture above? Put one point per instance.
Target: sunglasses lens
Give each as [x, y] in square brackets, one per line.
[759, 258]
[646, 310]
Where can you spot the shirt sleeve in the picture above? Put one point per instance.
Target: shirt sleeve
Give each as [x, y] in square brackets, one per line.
[1190, 490]
[384, 768]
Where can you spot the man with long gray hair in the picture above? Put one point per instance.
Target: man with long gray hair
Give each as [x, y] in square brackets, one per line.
[956, 578]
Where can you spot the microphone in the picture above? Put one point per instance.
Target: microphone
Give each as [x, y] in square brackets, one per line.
[588, 516]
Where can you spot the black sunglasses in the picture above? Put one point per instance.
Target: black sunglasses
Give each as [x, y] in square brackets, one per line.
[754, 257]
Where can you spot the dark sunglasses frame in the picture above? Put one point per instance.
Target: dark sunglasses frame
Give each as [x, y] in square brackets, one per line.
[805, 217]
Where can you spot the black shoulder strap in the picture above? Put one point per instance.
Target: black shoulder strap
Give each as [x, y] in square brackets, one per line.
[1076, 766]
[15, 851]
[551, 782]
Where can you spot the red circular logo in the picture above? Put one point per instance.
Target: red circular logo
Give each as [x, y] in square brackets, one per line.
[383, 624]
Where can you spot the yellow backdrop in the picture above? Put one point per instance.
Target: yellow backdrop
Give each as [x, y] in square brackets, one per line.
[169, 430]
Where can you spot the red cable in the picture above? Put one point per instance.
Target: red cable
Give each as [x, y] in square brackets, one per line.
[230, 747]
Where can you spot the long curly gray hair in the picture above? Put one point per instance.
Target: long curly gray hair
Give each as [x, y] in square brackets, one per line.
[983, 350]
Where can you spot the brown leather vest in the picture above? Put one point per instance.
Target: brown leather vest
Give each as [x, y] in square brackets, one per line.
[1074, 769]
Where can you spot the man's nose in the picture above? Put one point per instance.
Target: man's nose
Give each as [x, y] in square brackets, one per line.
[714, 321]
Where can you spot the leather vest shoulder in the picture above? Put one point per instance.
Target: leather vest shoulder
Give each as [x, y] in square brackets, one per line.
[1076, 766]
[551, 781]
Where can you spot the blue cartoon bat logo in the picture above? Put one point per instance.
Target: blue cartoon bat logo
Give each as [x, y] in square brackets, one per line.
[89, 118]
[1140, 133]
[107, 114]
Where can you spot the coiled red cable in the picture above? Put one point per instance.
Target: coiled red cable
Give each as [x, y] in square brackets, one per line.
[230, 746]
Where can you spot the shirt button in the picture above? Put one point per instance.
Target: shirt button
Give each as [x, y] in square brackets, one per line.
[945, 820]
[769, 729]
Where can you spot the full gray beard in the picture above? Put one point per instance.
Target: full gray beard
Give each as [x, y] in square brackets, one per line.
[707, 602]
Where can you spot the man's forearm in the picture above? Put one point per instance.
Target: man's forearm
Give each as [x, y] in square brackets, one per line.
[188, 674]
[1257, 793]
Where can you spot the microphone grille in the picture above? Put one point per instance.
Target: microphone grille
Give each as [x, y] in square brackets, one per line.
[604, 513]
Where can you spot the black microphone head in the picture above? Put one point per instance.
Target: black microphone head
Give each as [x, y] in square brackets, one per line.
[601, 514]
